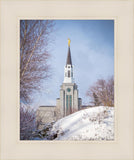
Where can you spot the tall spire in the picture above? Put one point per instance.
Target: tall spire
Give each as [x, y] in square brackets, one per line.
[69, 61]
[68, 69]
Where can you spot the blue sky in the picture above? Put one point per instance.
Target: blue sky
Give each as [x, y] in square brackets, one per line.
[92, 51]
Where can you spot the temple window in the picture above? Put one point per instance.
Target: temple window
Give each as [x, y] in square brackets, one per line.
[68, 73]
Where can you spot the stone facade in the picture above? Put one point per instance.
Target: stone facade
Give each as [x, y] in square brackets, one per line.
[68, 101]
[47, 114]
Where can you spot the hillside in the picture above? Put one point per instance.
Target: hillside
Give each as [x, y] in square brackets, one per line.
[95, 123]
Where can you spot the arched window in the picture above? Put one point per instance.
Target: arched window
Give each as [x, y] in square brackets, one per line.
[68, 73]
[68, 104]
[65, 74]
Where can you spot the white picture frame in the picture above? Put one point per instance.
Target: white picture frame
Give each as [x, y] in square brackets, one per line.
[122, 11]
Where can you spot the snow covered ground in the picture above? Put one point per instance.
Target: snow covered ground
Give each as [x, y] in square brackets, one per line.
[96, 123]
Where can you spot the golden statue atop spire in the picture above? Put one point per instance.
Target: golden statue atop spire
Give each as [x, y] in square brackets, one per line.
[69, 42]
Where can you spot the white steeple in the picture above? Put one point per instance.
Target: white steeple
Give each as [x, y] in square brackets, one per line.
[68, 69]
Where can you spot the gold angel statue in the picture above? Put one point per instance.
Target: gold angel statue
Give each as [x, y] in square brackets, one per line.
[69, 42]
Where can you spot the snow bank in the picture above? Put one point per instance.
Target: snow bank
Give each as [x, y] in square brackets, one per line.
[95, 123]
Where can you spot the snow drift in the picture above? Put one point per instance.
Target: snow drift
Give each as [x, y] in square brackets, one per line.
[96, 123]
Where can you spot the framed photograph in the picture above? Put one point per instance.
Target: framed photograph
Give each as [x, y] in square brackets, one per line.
[43, 116]
[67, 79]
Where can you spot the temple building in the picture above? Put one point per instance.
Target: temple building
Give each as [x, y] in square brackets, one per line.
[69, 101]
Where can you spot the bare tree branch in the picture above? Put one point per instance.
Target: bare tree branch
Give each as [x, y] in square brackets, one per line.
[102, 92]
[35, 37]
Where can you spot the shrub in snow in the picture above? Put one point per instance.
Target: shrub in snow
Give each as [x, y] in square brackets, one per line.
[44, 134]
[27, 122]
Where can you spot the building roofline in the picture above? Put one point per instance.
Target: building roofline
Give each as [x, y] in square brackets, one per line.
[47, 106]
